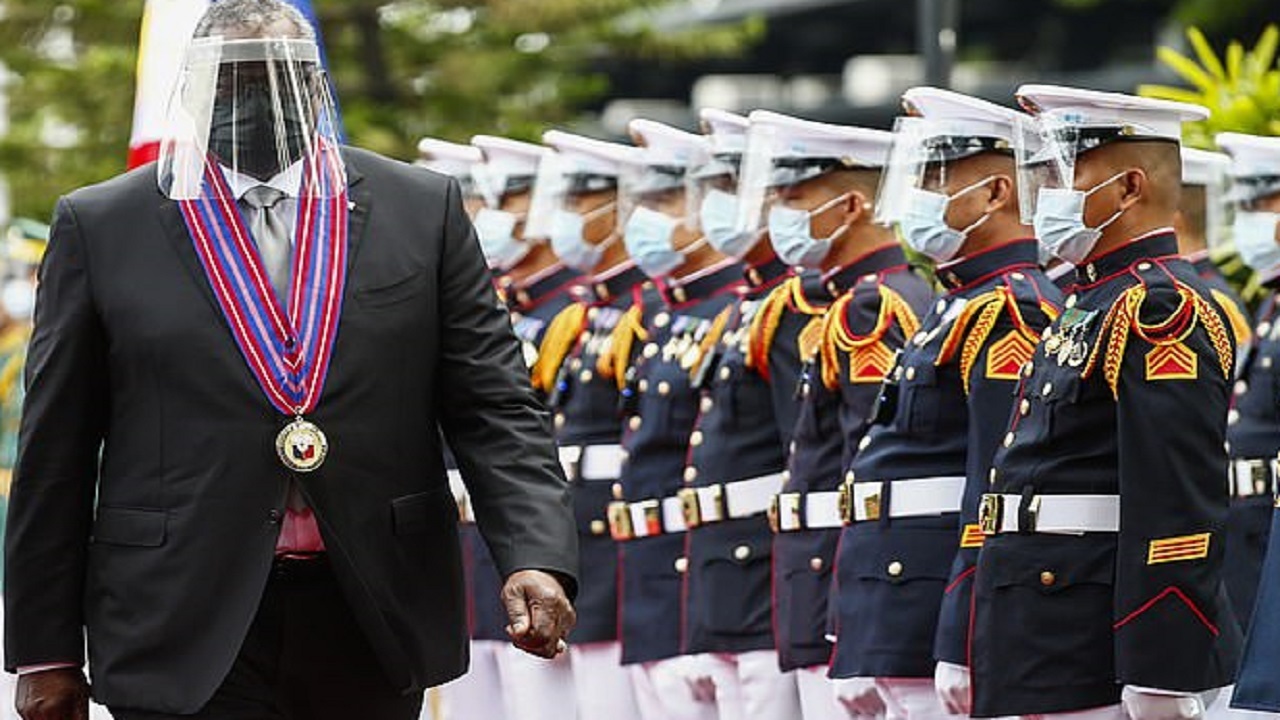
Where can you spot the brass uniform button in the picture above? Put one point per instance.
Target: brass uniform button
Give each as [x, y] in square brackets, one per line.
[815, 564]
[1071, 301]
[848, 476]
[742, 552]
[911, 373]
[1024, 408]
[644, 386]
[725, 373]
[650, 349]
[690, 474]
[559, 420]
[1018, 276]
[634, 423]
[1144, 266]
[894, 569]
[695, 438]
[585, 377]
[598, 527]
[864, 442]
[1047, 578]
[617, 491]
[1047, 390]
[1008, 439]
[706, 404]
[682, 564]
[661, 319]
[664, 388]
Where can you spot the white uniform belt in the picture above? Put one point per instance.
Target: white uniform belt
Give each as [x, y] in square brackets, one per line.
[1053, 514]
[792, 512]
[729, 501]
[1252, 478]
[646, 518]
[592, 462]
[460, 495]
[914, 497]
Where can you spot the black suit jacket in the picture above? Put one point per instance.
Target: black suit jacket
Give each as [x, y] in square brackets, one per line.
[147, 497]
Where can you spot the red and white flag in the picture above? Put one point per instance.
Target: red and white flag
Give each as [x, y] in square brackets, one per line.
[166, 30]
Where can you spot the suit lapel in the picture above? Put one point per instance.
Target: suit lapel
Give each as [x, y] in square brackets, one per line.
[361, 203]
[180, 240]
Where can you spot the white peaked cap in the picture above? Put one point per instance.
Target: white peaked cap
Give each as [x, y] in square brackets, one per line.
[666, 145]
[801, 139]
[512, 158]
[1136, 116]
[961, 115]
[727, 131]
[581, 155]
[1201, 167]
[448, 158]
[1251, 155]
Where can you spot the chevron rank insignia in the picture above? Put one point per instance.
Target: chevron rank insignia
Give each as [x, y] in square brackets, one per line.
[1176, 549]
[1007, 355]
[870, 364]
[1174, 361]
[972, 537]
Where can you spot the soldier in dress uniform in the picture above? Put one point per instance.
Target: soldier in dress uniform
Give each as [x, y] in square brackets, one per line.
[457, 161]
[1254, 423]
[1099, 588]
[910, 498]
[821, 182]
[736, 454]
[675, 337]
[586, 234]
[536, 287]
[1200, 228]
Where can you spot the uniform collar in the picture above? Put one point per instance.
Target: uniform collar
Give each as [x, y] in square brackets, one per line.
[1159, 243]
[889, 257]
[973, 269]
[702, 285]
[617, 282]
[765, 275]
[530, 296]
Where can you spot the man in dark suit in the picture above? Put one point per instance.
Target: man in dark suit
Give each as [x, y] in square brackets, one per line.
[156, 507]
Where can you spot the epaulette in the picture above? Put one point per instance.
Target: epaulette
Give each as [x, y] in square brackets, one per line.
[615, 357]
[1240, 327]
[560, 338]
[1169, 357]
[764, 325]
[973, 327]
[870, 359]
[694, 363]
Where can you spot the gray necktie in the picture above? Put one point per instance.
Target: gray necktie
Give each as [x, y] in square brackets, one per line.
[271, 232]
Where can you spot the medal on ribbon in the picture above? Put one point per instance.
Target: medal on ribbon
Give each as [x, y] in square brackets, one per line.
[286, 343]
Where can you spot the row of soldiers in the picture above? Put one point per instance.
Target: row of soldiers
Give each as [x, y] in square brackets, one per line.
[809, 483]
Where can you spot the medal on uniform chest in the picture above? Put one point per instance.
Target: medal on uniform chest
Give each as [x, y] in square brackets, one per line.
[287, 343]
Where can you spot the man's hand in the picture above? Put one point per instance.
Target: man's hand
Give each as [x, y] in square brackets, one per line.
[951, 682]
[60, 694]
[540, 614]
[859, 697]
[1147, 704]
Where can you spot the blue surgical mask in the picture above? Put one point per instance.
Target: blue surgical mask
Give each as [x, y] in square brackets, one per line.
[496, 230]
[569, 243]
[718, 216]
[648, 237]
[924, 224]
[791, 232]
[1059, 221]
[1255, 238]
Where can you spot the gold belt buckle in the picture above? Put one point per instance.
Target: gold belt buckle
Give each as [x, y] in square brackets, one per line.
[620, 521]
[990, 513]
[844, 501]
[690, 507]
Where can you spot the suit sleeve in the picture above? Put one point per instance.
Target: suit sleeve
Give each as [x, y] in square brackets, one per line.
[498, 429]
[1173, 629]
[51, 501]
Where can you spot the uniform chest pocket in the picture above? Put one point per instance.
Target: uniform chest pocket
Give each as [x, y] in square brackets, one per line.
[921, 399]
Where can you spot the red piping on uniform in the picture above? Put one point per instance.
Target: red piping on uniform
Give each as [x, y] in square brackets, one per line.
[995, 274]
[959, 579]
[1171, 590]
[1159, 260]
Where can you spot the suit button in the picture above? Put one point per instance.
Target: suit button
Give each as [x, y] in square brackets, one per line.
[911, 373]
[894, 569]
[1047, 578]
[706, 404]
[815, 564]
[661, 319]
[1008, 439]
[695, 438]
[682, 564]
[585, 377]
[742, 552]
[1024, 408]
[1047, 390]
[598, 527]
[559, 420]
[690, 474]
[275, 517]
[664, 388]
[650, 349]
[634, 423]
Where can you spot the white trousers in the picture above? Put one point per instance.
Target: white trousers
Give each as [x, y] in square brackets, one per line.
[478, 694]
[534, 688]
[602, 685]
[817, 695]
[911, 699]
[750, 686]
[663, 692]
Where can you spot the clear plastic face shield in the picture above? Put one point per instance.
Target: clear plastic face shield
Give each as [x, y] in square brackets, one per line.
[1046, 150]
[714, 189]
[755, 180]
[258, 108]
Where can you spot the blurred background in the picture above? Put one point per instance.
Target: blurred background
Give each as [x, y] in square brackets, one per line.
[454, 68]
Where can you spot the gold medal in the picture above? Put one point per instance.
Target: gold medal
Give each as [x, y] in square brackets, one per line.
[1052, 344]
[302, 445]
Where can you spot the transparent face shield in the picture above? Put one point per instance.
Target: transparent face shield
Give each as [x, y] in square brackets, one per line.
[257, 108]
[661, 188]
[755, 175]
[1046, 151]
[903, 171]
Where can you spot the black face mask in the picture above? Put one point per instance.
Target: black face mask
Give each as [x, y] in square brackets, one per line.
[242, 133]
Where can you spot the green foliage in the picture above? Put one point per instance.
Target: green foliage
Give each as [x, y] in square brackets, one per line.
[1241, 89]
[403, 69]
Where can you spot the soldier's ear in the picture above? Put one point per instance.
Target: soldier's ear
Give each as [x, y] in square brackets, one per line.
[1004, 193]
[856, 207]
[1134, 186]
